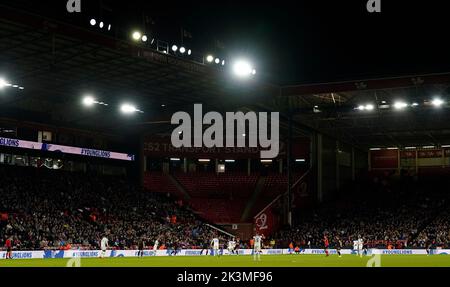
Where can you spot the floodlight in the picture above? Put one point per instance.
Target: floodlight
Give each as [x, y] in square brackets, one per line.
[174, 48]
[217, 60]
[3, 83]
[400, 105]
[101, 25]
[437, 102]
[182, 50]
[88, 101]
[137, 35]
[93, 22]
[369, 107]
[209, 58]
[361, 108]
[242, 68]
[144, 38]
[128, 109]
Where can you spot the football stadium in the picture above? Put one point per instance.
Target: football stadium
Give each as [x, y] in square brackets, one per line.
[126, 143]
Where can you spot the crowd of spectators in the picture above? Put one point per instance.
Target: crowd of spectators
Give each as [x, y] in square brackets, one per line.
[387, 211]
[43, 209]
[48, 209]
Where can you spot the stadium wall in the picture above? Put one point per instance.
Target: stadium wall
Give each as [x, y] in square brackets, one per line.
[54, 254]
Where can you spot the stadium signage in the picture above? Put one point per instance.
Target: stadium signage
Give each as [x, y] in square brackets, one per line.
[64, 149]
[9, 142]
[52, 254]
[251, 130]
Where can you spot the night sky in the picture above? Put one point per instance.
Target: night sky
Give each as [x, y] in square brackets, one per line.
[290, 42]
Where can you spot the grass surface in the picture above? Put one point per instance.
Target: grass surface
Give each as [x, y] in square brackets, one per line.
[241, 261]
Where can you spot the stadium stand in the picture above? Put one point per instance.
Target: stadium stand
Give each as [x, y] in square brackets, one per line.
[219, 198]
[390, 211]
[50, 209]
[160, 182]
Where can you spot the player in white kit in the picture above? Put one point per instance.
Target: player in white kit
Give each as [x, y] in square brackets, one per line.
[257, 247]
[231, 246]
[155, 246]
[360, 246]
[103, 246]
[355, 246]
[215, 246]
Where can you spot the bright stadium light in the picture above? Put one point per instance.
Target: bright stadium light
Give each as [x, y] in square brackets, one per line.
[89, 101]
[189, 52]
[93, 22]
[242, 68]
[182, 50]
[370, 107]
[128, 109]
[400, 105]
[217, 60]
[137, 35]
[101, 25]
[361, 108]
[209, 58]
[437, 102]
[223, 62]
[3, 83]
[109, 27]
[174, 48]
[429, 147]
[414, 104]
[253, 72]
[144, 38]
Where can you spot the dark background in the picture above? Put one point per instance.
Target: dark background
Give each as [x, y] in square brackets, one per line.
[289, 42]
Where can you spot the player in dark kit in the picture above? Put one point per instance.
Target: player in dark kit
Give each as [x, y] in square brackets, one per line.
[141, 246]
[429, 248]
[326, 244]
[339, 246]
[205, 247]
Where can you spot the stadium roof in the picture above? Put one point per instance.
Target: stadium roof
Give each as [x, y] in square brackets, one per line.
[58, 63]
[337, 112]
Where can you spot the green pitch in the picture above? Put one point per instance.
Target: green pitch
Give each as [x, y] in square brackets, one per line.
[241, 261]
